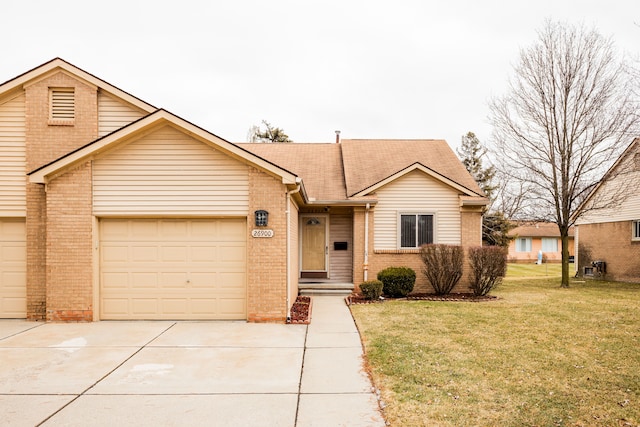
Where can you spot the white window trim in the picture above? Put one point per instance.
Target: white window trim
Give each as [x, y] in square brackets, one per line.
[530, 245]
[635, 228]
[542, 240]
[399, 228]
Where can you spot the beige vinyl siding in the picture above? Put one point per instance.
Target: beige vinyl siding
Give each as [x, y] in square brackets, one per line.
[13, 158]
[114, 114]
[415, 193]
[169, 173]
[13, 269]
[628, 210]
[341, 262]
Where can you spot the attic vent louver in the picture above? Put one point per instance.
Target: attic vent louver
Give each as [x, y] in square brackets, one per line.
[62, 104]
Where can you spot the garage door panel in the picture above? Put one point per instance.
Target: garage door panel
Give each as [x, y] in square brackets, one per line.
[143, 254]
[232, 231]
[233, 253]
[142, 280]
[175, 254]
[203, 306]
[185, 271]
[231, 280]
[206, 231]
[142, 230]
[203, 280]
[204, 254]
[233, 306]
[116, 306]
[177, 306]
[114, 253]
[144, 306]
[13, 269]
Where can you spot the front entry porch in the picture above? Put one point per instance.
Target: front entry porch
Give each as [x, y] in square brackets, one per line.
[310, 287]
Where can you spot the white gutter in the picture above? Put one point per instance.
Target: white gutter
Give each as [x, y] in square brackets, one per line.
[288, 212]
[366, 243]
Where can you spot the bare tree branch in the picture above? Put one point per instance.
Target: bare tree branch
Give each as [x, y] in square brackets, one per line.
[567, 116]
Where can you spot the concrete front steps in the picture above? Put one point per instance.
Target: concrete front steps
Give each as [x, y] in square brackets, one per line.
[324, 287]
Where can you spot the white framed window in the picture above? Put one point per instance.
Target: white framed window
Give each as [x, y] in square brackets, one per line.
[549, 244]
[416, 230]
[635, 230]
[62, 104]
[523, 244]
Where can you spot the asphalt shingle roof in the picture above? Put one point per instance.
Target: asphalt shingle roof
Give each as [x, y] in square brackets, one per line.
[339, 171]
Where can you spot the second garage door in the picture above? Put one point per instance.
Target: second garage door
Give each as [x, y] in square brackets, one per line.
[13, 268]
[173, 269]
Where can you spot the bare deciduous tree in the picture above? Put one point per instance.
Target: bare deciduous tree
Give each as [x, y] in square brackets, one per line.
[567, 116]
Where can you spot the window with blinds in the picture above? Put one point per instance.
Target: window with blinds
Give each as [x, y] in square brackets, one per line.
[415, 230]
[62, 104]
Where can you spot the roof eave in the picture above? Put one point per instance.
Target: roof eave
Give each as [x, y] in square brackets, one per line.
[57, 63]
[421, 167]
[148, 124]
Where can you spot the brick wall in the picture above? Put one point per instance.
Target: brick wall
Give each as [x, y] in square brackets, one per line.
[36, 252]
[69, 247]
[610, 242]
[45, 143]
[267, 267]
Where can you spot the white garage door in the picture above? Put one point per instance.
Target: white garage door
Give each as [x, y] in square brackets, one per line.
[173, 269]
[13, 268]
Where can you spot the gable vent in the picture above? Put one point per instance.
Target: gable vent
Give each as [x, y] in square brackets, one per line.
[62, 104]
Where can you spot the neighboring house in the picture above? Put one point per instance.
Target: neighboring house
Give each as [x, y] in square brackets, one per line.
[528, 239]
[113, 209]
[608, 232]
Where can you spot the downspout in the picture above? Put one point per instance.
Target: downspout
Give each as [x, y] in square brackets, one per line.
[288, 212]
[366, 242]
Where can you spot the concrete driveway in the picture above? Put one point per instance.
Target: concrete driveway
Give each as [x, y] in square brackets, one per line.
[187, 373]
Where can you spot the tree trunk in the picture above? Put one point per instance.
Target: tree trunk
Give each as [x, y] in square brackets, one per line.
[564, 235]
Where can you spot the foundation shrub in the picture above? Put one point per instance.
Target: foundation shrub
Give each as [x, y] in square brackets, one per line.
[371, 289]
[397, 282]
[488, 267]
[443, 266]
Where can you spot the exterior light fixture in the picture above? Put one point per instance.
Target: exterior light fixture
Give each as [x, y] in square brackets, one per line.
[262, 218]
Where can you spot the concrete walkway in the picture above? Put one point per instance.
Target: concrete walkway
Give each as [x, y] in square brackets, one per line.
[187, 373]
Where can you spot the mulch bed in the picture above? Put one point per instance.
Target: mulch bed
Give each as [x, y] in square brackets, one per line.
[356, 298]
[301, 311]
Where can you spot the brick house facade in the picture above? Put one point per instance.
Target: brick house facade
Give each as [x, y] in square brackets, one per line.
[608, 222]
[114, 209]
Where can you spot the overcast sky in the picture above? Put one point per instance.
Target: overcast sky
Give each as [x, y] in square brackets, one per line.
[372, 69]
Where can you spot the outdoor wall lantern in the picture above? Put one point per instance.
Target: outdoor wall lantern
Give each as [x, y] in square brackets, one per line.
[262, 218]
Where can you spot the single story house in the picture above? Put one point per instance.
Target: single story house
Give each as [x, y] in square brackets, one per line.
[608, 222]
[111, 208]
[529, 239]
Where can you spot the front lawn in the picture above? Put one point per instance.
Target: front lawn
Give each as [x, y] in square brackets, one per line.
[538, 356]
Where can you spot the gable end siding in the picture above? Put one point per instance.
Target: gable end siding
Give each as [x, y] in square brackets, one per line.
[169, 173]
[114, 114]
[13, 158]
[626, 183]
[416, 193]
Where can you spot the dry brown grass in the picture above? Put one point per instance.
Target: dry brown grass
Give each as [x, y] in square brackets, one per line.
[538, 356]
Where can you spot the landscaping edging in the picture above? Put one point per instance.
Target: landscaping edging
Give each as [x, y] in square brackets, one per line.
[301, 311]
[468, 297]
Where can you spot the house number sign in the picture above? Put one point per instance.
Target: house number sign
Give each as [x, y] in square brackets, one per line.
[262, 233]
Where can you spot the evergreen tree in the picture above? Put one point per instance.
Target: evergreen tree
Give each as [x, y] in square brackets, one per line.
[494, 224]
[471, 152]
